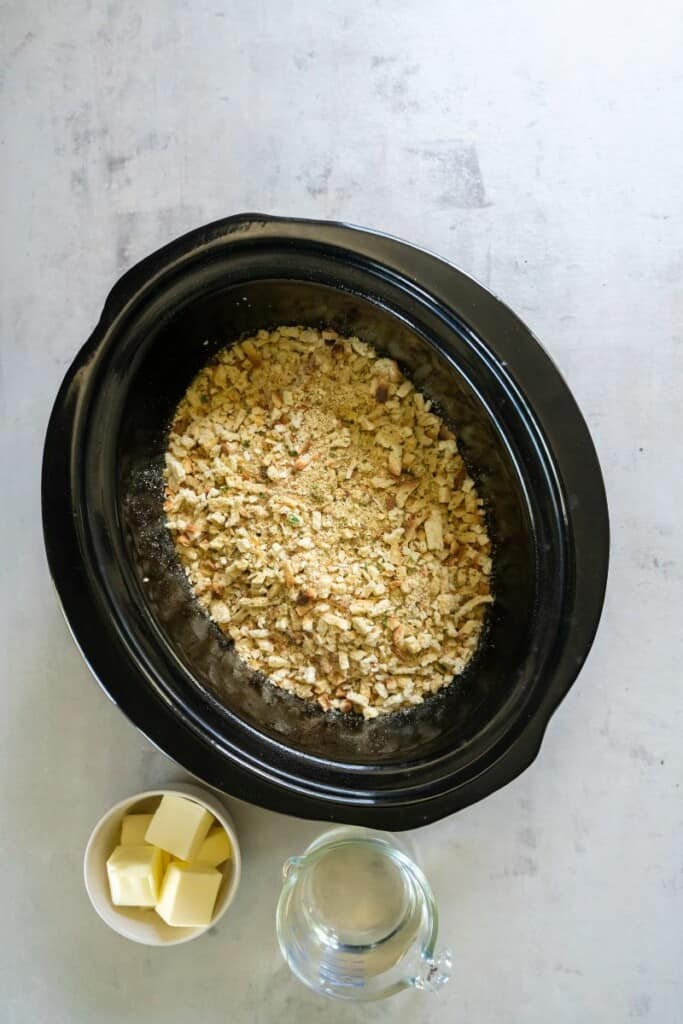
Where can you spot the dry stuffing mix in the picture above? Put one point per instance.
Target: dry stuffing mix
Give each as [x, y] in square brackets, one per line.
[326, 521]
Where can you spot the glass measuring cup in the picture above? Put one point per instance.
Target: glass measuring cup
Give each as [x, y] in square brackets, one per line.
[356, 918]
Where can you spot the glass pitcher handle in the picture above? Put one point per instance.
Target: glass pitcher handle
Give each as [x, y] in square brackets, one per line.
[435, 972]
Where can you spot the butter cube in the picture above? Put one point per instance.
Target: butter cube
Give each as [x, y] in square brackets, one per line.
[135, 874]
[188, 894]
[133, 828]
[179, 826]
[215, 849]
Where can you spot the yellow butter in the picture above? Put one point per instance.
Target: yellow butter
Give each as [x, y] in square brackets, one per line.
[179, 826]
[215, 849]
[188, 894]
[133, 828]
[135, 874]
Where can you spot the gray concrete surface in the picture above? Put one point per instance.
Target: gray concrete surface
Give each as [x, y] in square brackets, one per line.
[536, 145]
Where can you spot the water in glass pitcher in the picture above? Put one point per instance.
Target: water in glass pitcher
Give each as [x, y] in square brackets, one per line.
[356, 917]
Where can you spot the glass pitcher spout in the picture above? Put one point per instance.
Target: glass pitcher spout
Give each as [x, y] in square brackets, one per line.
[291, 866]
[435, 973]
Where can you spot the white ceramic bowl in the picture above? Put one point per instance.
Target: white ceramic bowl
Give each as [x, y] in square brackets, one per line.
[144, 924]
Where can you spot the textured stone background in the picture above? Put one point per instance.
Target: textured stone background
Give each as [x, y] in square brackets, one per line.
[539, 147]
